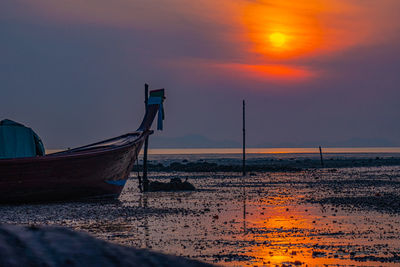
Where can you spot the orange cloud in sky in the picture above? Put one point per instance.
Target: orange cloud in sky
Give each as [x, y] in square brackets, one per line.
[284, 72]
[202, 70]
[278, 73]
[303, 28]
[282, 32]
[308, 26]
[266, 37]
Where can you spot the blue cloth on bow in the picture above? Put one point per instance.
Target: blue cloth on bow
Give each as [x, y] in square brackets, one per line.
[155, 100]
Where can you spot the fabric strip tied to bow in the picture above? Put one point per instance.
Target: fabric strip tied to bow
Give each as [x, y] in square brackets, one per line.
[153, 100]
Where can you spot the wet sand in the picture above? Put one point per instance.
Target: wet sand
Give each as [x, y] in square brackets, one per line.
[347, 216]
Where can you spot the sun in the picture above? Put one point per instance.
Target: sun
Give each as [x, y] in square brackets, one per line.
[277, 39]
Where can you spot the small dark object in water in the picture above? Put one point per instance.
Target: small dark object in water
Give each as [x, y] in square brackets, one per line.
[175, 184]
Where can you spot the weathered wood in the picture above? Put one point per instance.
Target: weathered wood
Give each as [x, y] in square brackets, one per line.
[98, 172]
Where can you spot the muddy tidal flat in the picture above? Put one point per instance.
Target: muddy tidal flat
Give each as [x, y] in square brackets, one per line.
[314, 217]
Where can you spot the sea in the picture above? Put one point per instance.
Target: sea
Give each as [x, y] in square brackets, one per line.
[234, 156]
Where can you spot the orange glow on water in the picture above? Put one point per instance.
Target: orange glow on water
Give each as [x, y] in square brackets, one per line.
[284, 242]
[291, 235]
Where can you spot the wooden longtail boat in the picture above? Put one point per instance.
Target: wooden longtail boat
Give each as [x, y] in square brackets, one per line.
[96, 170]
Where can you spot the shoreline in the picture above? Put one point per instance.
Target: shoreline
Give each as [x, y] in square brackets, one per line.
[264, 164]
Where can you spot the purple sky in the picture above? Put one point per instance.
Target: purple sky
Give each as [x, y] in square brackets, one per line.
[74, 70]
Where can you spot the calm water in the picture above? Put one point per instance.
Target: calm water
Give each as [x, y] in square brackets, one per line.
[266, 151]
[334, 150]
[268, 156]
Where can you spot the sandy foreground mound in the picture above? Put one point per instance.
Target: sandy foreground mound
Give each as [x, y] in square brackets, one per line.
[55, 246]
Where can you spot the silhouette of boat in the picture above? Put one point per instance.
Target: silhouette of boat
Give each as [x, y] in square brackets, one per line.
[96, 170]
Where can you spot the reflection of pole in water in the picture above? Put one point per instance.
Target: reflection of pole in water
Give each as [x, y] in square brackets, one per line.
[320, 154]
[244, 140]
[144, 204]
[244, 168]
[244, 207]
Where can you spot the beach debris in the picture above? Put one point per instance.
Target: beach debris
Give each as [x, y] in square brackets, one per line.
[318, 254]
[175, 184]
[394, 258]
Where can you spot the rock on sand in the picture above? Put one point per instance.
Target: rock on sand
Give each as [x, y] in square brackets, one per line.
[55, 246]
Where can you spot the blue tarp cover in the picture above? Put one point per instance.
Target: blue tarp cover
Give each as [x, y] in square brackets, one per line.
[18, 141]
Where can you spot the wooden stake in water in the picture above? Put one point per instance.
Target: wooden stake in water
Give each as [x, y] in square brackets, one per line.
[244, 140]
[146, 144]
[320, 154]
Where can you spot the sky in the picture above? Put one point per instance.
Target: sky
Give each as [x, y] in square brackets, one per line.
[312, 72]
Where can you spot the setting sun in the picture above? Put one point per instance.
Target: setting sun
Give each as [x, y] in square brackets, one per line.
[277, 39]
[270, 28]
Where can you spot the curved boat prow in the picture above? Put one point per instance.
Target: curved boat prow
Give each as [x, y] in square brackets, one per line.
[96, 170]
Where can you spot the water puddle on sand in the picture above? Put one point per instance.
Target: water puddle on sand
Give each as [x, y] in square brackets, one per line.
[303, 218]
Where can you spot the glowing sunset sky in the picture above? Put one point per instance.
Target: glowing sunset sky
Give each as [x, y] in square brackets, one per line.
[312, 71]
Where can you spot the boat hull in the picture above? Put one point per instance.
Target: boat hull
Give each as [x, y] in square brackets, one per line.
[75, 176]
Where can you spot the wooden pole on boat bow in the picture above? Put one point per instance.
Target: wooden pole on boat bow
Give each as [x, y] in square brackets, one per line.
[146, 144]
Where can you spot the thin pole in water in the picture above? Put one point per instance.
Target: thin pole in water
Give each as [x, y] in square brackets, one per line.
[244, 140]
[320, 154]
[146, 144]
